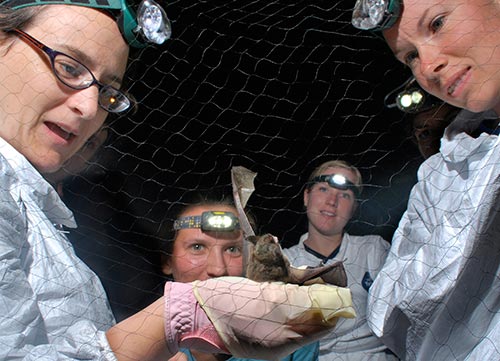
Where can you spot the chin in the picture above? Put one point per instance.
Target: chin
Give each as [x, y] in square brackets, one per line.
[477, 106]
[46, 167]
[486, 98]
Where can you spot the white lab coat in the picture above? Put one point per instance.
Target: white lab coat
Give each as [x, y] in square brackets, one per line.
[438, 295]
[52, 306]
[363, 256]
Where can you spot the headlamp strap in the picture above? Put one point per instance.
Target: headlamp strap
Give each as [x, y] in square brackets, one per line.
[187, 222]
[149, 25]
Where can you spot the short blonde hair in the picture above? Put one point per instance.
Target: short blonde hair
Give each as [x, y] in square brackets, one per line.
[358, 182]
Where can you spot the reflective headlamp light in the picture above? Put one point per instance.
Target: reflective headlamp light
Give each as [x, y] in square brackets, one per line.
[375, 14]
[337, 181]
[149, 25]
[412, 99]
[219, 221]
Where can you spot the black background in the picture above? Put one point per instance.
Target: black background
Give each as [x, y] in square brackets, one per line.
[276, 86]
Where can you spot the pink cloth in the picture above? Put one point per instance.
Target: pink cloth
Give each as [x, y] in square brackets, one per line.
[248, 319]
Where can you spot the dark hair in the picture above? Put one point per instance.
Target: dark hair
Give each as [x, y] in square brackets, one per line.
[17, 18]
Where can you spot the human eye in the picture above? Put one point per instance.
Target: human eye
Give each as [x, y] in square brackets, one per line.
[346, 195]
[234, 251]
[196, 247]
[437, 23]
[410, 57]
[422, 134]
[69, 69]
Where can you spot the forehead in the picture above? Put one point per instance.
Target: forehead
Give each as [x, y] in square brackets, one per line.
[90, 31]
[406, 26]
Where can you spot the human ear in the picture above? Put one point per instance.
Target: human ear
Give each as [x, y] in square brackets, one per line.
[166, 268]
[306, 197]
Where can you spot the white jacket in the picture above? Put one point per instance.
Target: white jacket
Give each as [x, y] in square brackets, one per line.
[52, 306]
[438, 295]
[363, 257]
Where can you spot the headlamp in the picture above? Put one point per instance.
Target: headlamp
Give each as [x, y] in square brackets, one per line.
[337, 181]
[149, 25]
[375, 14]
[219, 221]
[411, 98]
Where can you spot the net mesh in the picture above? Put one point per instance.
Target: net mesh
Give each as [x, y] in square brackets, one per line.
[275, 86]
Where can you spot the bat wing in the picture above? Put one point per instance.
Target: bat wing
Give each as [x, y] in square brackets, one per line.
[243, 187]
[332, 274]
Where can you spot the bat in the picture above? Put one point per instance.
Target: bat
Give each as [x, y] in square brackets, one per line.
[266, 263]
[263, 258]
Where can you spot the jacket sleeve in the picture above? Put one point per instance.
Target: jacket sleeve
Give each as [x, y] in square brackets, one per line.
[23, 335]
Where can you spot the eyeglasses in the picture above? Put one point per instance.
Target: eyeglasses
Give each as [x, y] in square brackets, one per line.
[338, 181]
[77, 76]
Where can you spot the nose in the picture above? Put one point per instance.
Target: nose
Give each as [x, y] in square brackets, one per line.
[332, 198]
[216, 264]
[85, 102]
[432, 62]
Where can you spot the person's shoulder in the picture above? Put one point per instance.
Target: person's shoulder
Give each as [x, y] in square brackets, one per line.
[369, 240]
[299, 244]
[293, 250]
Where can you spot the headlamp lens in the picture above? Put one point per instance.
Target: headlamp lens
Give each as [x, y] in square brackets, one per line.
[375, 14]
[153, 22]
[338, 181]
[220, 221]
[412, 99]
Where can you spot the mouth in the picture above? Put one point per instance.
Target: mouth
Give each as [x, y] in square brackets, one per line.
[457, 82]
[328, 214]
[63, 133]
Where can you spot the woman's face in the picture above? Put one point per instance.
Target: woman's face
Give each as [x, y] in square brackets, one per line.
[329, 209]
[452, 48]
[198, 255]
[41, 117]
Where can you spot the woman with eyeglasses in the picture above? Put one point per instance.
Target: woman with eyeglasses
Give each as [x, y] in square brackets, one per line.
[437, 296]
[62, 67]
[330, 199]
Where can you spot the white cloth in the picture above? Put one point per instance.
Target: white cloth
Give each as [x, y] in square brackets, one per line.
[363, 257]
[438, 295]
[52, 306]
